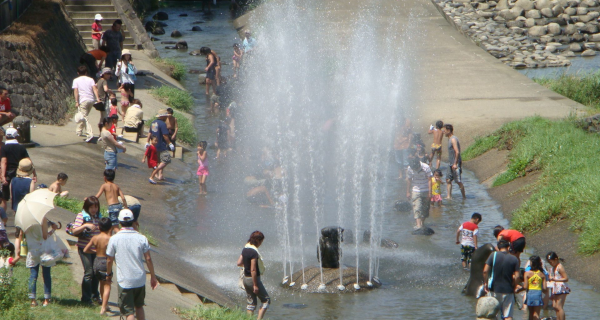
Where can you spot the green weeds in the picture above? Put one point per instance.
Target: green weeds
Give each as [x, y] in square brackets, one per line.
[584, 88]
[201, 312]
[177, 68]
[174, 97]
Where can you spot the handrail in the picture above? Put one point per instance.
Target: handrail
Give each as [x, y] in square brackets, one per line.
[11, 10]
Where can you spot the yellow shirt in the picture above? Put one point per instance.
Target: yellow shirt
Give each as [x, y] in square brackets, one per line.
[535, 281]
[435, 187]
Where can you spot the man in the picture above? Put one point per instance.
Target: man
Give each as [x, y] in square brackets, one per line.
[94, 59]
[158, 129]
[12, 153]
[113, 39]
[455, 161]
[85, 92]
[6, 115]
[129, 249]
[418, 189]
[514, 238]
[504, 269]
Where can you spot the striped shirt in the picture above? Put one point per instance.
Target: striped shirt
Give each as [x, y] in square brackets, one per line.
[83, 241]
[420, 179]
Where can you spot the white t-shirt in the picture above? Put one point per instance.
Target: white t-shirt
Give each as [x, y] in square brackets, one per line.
[85, 86]
[420, 179]
[467, 231]
[128, 248]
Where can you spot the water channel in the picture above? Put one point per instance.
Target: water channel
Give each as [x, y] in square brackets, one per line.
[422, 279]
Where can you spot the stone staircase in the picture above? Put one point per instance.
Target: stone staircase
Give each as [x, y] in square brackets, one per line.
[83, 11]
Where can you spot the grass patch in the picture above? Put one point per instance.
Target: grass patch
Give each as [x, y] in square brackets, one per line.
[174, 97]
[568, 186]
[584, 88]
[71, 106]
[177, 69]
[151, 239]
[187, 131]
[201, 312]
[66, 294]
[70, 204]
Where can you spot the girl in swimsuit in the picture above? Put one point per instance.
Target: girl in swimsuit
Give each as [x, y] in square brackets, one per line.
[558, 283]
[202, 166]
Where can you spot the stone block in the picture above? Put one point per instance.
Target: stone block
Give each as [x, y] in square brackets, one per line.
[538, 31]
[524, 4]
[547, 12]
[535, 14]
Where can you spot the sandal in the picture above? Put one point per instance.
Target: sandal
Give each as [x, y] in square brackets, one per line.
[34, 303]
[151, 181]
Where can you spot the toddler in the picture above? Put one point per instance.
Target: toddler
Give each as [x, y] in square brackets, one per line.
[436, 190]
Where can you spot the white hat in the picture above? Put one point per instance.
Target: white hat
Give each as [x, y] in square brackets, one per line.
[125, 215]
[12, 133]
[98, 17]
[125, 51]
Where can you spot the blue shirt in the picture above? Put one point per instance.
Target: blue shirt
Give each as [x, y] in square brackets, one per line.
[158, 128]
[248, 44]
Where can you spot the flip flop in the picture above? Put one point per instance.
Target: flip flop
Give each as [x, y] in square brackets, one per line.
[151, 181]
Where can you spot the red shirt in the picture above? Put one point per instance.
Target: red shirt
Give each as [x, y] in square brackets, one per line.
[511, 235]
[96, 27]
[469, 226]
[5, 105]
[152, 156]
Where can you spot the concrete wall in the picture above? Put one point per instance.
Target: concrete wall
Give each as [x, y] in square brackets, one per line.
[39, 56]
[135, 27]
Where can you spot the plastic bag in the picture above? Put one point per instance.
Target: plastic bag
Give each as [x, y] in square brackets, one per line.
[53, 251]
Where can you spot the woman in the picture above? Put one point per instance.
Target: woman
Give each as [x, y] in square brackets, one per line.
[85, 227]
[133, 117]
[22, 184]
[126, 70]
[252, 262]
[211, 69]
[110, 145]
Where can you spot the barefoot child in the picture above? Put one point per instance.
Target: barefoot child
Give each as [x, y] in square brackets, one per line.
[534, 282]
[152, 157]
[112, 193]
[436, 146]
[57, 185]
[114, 109]
[172, 126]
[558, 284]
[98, 245]
[466, 236]
[436, 187]
[202, 166]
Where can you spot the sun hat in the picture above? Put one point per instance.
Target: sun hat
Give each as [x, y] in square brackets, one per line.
[12, 133]
[25, 168]
[98, 17]
[125, 215]
[162, 113]
[106, 70]
[125, 51]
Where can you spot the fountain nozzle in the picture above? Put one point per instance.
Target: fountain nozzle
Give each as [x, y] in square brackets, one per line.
[293, 283]
[376, 281]
[304, 286]
[321, 287]
[285, 280]
[356, 286]
[369, 283]
[341, 287]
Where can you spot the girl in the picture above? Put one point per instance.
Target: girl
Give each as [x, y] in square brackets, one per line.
[126, 98]
[211, 71]
[436, 191]
[126, 70]
[237, 57]
[110, 144]
[253, 265]
[202, 166]
[558, 284]
[420, 153]
[97, 31]
[113, 110]
[152, 157]
[534, 282]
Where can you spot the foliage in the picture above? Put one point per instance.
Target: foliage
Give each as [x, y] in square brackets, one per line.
[71, 106]
[583, 88]
[177, 68]
[174, 97]
[151, 239]
[202, 312]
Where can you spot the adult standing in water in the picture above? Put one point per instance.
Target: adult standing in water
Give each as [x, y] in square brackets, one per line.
[418, 189]
[253, 265]
[504, 270]
[455, 162]
[211, 71]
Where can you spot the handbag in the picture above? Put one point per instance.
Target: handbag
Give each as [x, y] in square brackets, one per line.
[99, 106]
[131, 73]
[491, 278]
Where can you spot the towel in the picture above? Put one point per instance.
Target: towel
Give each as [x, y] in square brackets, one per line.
[261, 265]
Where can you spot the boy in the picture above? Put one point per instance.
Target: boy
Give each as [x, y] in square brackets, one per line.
[514, 237]
[469, 231]
[172, 126]
[98, 245]
[152, 155]
[57, 185]
[436, 146]
[455, 161]
[112, 193]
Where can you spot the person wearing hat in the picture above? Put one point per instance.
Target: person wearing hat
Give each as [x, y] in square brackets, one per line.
[129, 249]
[158, 129]
[104, 93]
[126, 70]
[22, 184]
[10, 159]
[113, 39]
[97, 31]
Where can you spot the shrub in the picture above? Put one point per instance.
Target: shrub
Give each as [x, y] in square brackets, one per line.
[177, 68]
[584, 88]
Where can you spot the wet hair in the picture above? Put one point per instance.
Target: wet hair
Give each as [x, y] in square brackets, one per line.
[236, 45]
[202, 144]
[449, 127]
[114, 101]
[109, 174]
[414, 161]
[103, 122]
[502, 244]
[138, 102]
[438, 171]
[105, 49]
[552, 256]
[256, 238]
[205, 50]
[62, 176]
[477, 216]
[439, 124]
[104, 224]
[170, 110]
[117, 22]
[535, 262]
[82, 70]
[129, 87]
[497, 230]
[90, 202]
[10, 247]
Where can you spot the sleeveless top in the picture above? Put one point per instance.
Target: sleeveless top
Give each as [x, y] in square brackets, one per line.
[452, 154]
[19, 189]
[559, 287]
[535, 281]
[435, 187]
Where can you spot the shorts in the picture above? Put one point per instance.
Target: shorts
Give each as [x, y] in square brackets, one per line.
[165, 157]
[6, 188]
[454, 175]
[222, 143]
[171, 131]
[466, 252]
[251, 297]
[3, 237]
[100, 268]
[506, 303]
[110, 160]
[534, 298]
[211, 74]
[436, 148]
[3, 215]
[113, 213]
[436, 198]
[129, 299]
[420, 203]
[518, 245]
[135, 209]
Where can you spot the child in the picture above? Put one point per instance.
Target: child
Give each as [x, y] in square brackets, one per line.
[534, 282]
[436, 146]
[222, 139]
[558, 284]
[126, 97]
[112, 193]
[172, 126]
[57, 185]
[202, 166]
[98, 245]
[97, 31]
[467, 233]
[114, 110]
[420, 152]
[436, 190]
[152, 157]
[237, 57]
[113, 126]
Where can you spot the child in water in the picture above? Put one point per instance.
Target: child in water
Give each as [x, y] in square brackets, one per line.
[466, 236]
[558, 284]
[237, 58]
[436, 190]
[202, 166]
[420, 153]
[436, 146]
[535, 283]
[152, 156]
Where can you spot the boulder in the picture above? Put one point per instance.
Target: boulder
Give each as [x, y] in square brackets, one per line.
[487, 308]
[535, 14]
[530, 22]
[538, 31]
[595, 37]
[575, 47]
[590, 28]
[550, 49]
[182, 44]
[541, 4]
[176, 34]
[571, 11]
[195, 52]
[570, 29]
[568, 53]
[524, 4]
[556, 10]
[547, 12]
[588, 53]
[554, 29]
[161, 16]
[502, 4]
[158, 31]
[196, 28]
[582, 11]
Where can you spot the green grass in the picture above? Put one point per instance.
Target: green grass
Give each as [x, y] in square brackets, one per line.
[70, 204]
[177, 69]
[71, 106]
[583, 88]
[66, 294]
[568, 186]
[201, 312]
[151, 239]
[187, 131]
[174, 97]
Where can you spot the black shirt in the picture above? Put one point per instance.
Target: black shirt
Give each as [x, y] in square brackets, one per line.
[247, 256]
[505, 267]
[13, 154]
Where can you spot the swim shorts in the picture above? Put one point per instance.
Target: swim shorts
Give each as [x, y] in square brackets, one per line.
[454, 175]
[436, 148]
[518, 245]
[165, 157]
[129, 299]
[100, 268]
[113, 213]
[466, 252]
[506, 303]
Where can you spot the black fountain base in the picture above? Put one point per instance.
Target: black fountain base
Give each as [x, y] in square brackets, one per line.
[331, 281]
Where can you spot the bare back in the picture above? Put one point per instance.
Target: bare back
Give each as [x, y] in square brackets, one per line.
[101, 243]
[438, 135]
[171, 122]
[112, 192]
[55, 187]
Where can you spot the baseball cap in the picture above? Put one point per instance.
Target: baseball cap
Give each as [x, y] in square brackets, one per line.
[12, 133]
[125, 215]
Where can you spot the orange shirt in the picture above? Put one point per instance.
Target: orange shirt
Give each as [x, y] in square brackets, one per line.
[511, 235]
[98, 54]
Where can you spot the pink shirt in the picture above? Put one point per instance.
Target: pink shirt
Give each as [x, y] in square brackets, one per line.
[96, 27]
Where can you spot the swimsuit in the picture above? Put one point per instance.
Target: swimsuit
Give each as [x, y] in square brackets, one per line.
[211, 73]
[436, 194]
[559, 287]
[100, 268]
[202, 167]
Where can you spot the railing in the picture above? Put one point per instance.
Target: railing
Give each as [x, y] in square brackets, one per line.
[11, 10]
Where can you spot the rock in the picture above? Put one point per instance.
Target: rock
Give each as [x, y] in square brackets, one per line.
[535, 14]
[198, 22]
[547, 12]
[518, 65]
[530, 22]
[578, 37]
[515, 23]
[585, 18]
[150, 25]
[154, 39]
[582, 11]
[483, 38]
[502, 4]
[515, 12]
[196, 71]
[595, 37]
[589, 3]
[195, 52]
[524, 4]
[573, 3]
[556, 10]
[176, 34]
[183, 15]
[483, 6]
[487, 308]
[424, 231]
[537, 31]
[588, 53]
[168, 42]
[545, 39]
[568, 53]
[550, 49]
[590, 45]
[182, 44]
[571, 11]
[570, 29]
[541, 4]
[579, 25]
[590, 28]
[485, 14]
[575, 47]
[594, 14]
[196, 28]
[161, 16]
[554, 29]
[158, 31]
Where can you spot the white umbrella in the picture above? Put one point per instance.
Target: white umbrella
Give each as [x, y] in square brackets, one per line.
[33, 208]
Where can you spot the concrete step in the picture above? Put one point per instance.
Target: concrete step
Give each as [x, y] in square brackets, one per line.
[87, 2]
[90, 7]
[106, 23]
[88, 27]
[90, 15]
[88, 34]
[192, 297]
[130, 46]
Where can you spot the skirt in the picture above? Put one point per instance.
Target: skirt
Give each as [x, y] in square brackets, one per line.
[534, 298]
